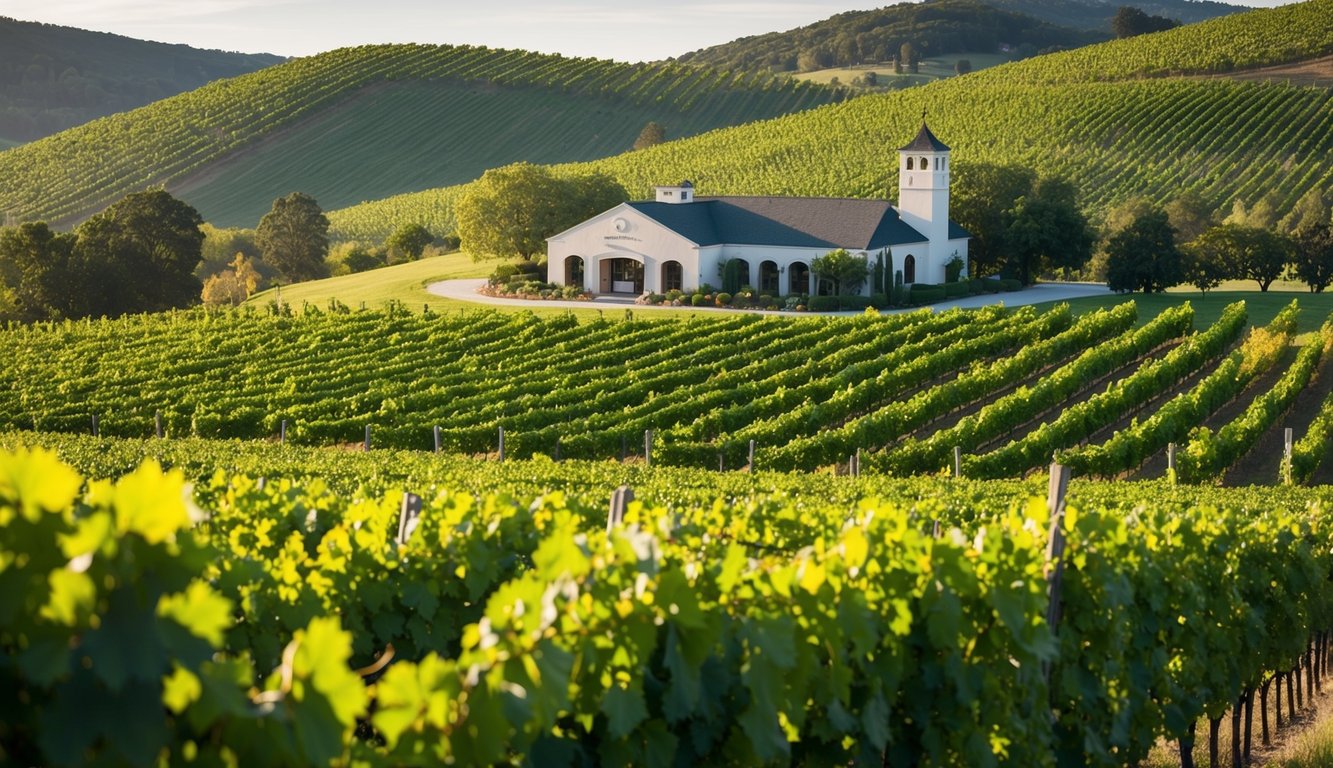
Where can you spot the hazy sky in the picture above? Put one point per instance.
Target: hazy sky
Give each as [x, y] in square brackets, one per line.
[626, 30]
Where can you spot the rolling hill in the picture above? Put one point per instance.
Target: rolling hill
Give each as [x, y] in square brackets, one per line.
[935, 28]
[53, 77]
[364, 123]
[1106, 116]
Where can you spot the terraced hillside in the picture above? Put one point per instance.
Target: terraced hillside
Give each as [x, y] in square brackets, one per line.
[364, 123]
[1101, 116]
[1008, 387]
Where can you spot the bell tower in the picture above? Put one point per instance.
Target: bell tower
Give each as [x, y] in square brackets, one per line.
[923, 185]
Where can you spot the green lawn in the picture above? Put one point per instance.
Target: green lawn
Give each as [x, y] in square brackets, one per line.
[403, 282]
[1262, 307]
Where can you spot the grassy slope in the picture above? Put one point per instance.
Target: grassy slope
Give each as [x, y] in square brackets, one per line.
[70, 76]
[1083, 114]
[310, 104]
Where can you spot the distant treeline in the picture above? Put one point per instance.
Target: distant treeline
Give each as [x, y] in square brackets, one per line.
[863, 37]
[53, 77]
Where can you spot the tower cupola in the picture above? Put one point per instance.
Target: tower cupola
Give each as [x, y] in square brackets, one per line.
[923, 184]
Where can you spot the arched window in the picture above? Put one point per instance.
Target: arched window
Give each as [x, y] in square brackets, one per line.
[768, 277]
[574, 270]
[925, 164]
[909, 269]
[909, 163]
[798, 277]
[671, 276]
[944, 163]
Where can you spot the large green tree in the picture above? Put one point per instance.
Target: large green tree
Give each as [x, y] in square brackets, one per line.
[982, 201]
[141, 253]
[293, 237]
[1143, 255]
[1248, 252]
[409, 242]
[36, 269]
[1048, 232]
[510, 211]
[1313, 256]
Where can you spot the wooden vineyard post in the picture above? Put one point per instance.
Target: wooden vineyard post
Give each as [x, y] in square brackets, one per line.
[719, 463]
[648, 447]
[1056, 489]
[620, 500]
[957, 461]
[436, 432]
[157, 424]
[408, 517]
[96, 432]
[752, 457]
[502, 443]
[282, 433]
[1286, 456]
[557, 449]
[1171, 461]
[366, 444]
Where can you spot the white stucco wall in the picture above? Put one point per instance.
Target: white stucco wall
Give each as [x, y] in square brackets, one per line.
[622, 232]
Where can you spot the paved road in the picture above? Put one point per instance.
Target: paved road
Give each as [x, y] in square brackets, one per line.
[466, 290]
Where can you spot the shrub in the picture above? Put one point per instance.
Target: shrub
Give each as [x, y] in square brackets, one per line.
[854, 302]
[976, 286]
[698, 300]
[879, 300]
[925, 293]
[956, 290]
[1009, 284]
[723, 299]
[991, 284]
[823, 303]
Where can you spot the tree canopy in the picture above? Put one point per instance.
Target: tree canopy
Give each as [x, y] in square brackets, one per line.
[409, 242]
[1143, 255]
[1313, 256]
[293, 237]
[510, 211]
[652, 134]
[138, 255]
[1247, 252]
[844, 271]
[1048, 232]
[1130, 21]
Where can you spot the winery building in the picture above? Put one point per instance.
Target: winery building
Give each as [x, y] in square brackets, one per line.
[680, 241]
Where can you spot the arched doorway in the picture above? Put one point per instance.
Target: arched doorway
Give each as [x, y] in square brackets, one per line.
[909, 269]
[621, 276]
[672, 277]
[798, 277]
[574, 270]
[769, 279]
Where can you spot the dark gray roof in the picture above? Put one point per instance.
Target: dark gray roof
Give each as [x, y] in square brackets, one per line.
[801, 222]
[925, 141]
[956, 231]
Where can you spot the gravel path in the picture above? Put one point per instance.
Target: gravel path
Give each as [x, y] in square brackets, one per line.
[466, 290]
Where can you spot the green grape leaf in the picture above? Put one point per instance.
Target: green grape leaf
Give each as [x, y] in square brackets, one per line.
[151, 503]
[72, 599]
[200, 610]
[38, 481]
[624, 709]
[180, 689]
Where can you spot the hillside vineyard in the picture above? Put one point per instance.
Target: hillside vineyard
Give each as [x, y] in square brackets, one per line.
[77, 172]
[807, 393]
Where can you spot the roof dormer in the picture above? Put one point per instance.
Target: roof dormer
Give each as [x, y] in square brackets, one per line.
[681, 193]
